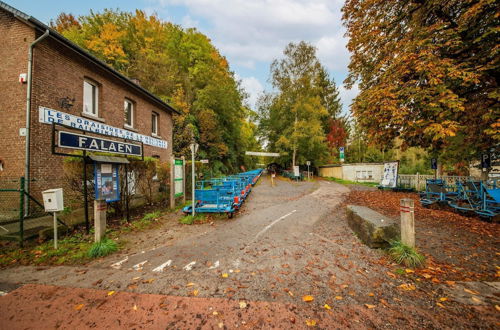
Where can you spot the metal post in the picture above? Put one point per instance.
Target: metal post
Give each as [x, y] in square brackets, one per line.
[85, 197]
[55, 230]
[193, 179]
[127, 196]
[21, 212]
[183, 180]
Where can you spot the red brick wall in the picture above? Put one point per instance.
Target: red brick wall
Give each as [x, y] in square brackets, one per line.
[59, 72]
[15, 38]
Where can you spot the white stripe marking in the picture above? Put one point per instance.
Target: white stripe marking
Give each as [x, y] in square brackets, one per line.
[273, 223]
[161, 267]
[118, 265]
[4, 229]
[215, 265]
[189, 266]
[139, 265]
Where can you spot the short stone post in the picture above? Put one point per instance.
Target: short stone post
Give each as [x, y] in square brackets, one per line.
[407, 222]
[100, 207]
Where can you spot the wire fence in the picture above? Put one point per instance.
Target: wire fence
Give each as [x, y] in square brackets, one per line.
[21, 215]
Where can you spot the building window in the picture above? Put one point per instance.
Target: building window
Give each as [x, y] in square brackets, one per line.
[154, 123]
[129, 113]
[90, 97]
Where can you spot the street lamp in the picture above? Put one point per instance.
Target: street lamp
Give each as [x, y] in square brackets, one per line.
[194, 149]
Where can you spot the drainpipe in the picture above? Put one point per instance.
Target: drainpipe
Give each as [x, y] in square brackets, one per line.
[28, 116]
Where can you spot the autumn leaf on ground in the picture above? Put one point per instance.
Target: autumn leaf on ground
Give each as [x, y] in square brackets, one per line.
[307, 298]
[427, 276]
[370, 306]
[190, 284]
[371, 294]
[408, 271]
[470, 291]
[110, 293]
[497, 308]
[440, 305]
[311, 323]
[443, 299]
[243, 304]
[391, 275]
[78, 307]
[327, 306]
[225, 275]
[338, 297]
[450, 283]
[134, 308]
[474, 299]
[407, 287]
[195, 292]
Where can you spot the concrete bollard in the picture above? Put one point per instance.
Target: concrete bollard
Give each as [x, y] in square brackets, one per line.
[100, 207]
[407, 210]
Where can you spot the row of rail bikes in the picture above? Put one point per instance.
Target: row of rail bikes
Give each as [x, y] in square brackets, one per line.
[223, 195]
[465, 196]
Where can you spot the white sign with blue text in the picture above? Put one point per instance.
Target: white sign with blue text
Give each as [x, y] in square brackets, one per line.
[49, 116]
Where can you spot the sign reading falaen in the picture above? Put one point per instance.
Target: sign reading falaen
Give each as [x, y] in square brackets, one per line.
[91, 143]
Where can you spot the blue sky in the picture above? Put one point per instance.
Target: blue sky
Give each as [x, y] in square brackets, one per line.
[249, 33]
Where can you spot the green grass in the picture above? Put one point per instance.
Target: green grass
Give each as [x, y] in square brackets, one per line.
[102, 248]
[189, 219]
[405, 255]
[342, 181]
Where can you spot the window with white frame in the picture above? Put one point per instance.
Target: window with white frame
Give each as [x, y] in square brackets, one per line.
[154, 123]
[129, 113]
[90, 98]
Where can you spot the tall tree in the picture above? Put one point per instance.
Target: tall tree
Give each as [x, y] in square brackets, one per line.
[182, 67]
[428, 72]
[295, 117]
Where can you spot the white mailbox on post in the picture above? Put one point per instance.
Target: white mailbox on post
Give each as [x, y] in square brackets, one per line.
[53, 200]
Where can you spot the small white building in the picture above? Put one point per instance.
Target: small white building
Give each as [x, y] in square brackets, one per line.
[360, 172]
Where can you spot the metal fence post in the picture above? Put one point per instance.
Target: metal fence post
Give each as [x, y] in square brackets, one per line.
[21, 212]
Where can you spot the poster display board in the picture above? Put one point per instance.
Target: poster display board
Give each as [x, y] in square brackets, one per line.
[106, 182]
[296, 171]
[178, 177]
[390, 175]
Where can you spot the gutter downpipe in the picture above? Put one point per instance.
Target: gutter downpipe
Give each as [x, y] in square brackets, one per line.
[28, 118]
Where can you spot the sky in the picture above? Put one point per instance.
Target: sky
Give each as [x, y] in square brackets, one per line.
[249, 33]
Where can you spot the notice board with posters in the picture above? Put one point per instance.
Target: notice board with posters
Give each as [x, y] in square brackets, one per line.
[106, 181]
[390, 174]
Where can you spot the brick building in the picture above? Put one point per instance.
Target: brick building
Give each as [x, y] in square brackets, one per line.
[69, 86]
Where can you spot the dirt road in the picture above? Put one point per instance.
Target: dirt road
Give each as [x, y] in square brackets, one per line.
[289, 242]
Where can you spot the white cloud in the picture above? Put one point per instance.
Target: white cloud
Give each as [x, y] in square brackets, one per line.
[347, 95]
[253, 87]
[253, 33]
[189, 22]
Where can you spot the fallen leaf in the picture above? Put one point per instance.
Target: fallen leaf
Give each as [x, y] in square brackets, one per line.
[408, 271]
[215, 313]
[311, 323]
[497, 308]
[78, 307]
[407, 287]
[327, 306]
[370, 306]
[195, 292]
[443, 299]
[110, 293]
[440, 305]
[134, 308]
[450, 283]
[290, 293]
[427, 276]
[243, 305]
[225, 275]
[476, 300]
[391, 275]
[470, 291]
[237, 270]
[220, 325]
[190, 284]
[371, 294]
[339, 298]
[307, 298]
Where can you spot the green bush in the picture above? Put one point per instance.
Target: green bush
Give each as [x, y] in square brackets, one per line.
[405, 255]
[151, 216]
[102, 248]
